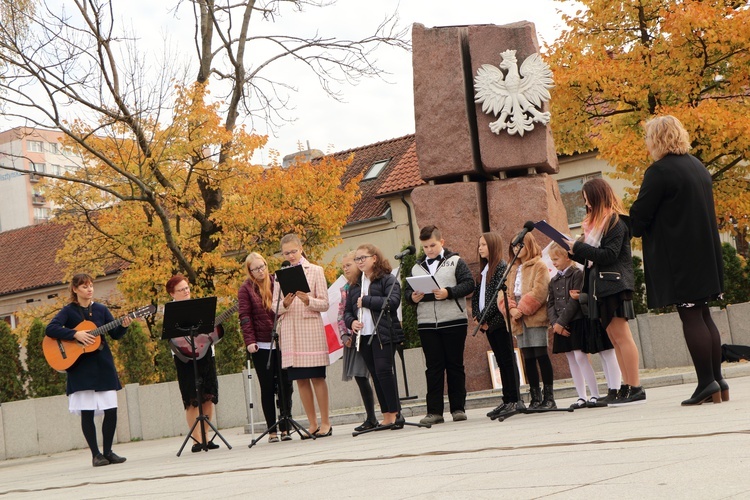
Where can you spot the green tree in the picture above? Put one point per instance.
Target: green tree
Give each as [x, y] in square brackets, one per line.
[231, 354]
[43, 379]
[736, 281]
[12, 372]
[133, 356]
[409, 311]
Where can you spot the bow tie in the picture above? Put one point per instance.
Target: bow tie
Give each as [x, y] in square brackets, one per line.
[432, 261]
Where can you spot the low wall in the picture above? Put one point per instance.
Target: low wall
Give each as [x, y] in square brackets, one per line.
[44, 425]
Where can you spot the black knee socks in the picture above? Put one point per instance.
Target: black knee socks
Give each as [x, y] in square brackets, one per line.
[533, 356]
[108, 429]
[703, 341]
[89, 430]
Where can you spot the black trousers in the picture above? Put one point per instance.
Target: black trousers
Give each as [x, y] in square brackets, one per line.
[502, 345]
[444, 356]
[379, 361]
[267, 380]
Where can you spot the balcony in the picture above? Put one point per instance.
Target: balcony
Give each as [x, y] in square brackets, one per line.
[38, 199]
[34, 178]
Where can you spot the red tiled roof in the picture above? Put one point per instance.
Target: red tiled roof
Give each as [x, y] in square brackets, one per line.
[27, 257]
[370, 206]
[405, 176]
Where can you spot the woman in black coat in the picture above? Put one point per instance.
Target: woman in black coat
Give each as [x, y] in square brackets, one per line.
[92, 380]
[675, 216]
[364, 303]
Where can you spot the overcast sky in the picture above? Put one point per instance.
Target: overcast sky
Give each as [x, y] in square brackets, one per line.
[372, 111]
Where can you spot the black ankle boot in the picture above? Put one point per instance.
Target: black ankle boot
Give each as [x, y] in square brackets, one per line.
[535, 393]
[610, 397]
[548, 403]
[710, 393]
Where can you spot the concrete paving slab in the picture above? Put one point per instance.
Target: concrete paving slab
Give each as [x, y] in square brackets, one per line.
[655, 450]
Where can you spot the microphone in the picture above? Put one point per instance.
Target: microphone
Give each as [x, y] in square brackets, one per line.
[286, 264]
[527, 228]
[410, 250]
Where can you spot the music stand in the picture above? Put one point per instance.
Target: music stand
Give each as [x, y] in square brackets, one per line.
[188, 318]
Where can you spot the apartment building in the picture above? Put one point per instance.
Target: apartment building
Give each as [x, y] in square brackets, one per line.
[22, 198]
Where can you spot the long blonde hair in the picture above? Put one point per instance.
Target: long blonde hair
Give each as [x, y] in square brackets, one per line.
[264, 286]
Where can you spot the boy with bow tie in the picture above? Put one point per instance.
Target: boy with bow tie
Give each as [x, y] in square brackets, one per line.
[442, 323]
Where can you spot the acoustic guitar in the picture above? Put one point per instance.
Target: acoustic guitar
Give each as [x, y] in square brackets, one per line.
[182, 346]
[61, 354]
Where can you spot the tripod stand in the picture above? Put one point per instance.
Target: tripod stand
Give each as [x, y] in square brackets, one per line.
[188, 318]
[520, 407]
[400, 422]
[285, 412]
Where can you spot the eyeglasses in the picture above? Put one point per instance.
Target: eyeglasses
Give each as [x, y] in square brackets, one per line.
[290, 252]
[258, 269]
[183, 289]
[361, 258]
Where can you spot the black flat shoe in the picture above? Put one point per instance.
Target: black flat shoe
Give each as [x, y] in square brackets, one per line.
[319, 435]
[99, 461]
[366, 426]
[310, 435]
[212, 446]
[196, 448]
[114, 458]
[712, 392]
[399, 423]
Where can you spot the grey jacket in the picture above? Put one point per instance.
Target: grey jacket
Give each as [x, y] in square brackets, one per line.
[454, 275]
[561, 308]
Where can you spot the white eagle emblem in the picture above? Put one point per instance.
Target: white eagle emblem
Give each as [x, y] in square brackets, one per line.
[514, 97]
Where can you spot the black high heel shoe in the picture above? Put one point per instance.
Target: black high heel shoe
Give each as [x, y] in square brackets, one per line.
[724, 389]
[712, 392]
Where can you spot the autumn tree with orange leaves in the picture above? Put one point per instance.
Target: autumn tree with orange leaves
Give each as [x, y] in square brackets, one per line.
[166, 183]
[619, 63]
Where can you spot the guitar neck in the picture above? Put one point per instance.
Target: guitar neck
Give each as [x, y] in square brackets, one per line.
[221, 318]
[109, 326]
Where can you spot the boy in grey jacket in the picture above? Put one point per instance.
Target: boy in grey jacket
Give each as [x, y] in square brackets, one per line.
[442, 323]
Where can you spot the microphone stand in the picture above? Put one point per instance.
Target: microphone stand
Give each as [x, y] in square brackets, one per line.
[520, 407]
[284, 411]
[387, 309]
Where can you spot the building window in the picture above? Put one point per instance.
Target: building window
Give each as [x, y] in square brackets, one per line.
[52, 147]
[570, 192]
[38, 167]
[41, 214]
[375, 169]
[35, 146]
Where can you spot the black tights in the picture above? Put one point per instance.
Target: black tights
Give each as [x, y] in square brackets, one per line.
[108, 429]
[368, 399]
[533, 356]
[703, 342]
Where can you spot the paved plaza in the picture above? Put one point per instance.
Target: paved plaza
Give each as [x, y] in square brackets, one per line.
[656, 450]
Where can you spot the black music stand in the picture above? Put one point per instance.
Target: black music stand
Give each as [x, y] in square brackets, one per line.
[188, 318]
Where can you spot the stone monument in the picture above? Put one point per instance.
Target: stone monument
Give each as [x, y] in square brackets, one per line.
[484, 145]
